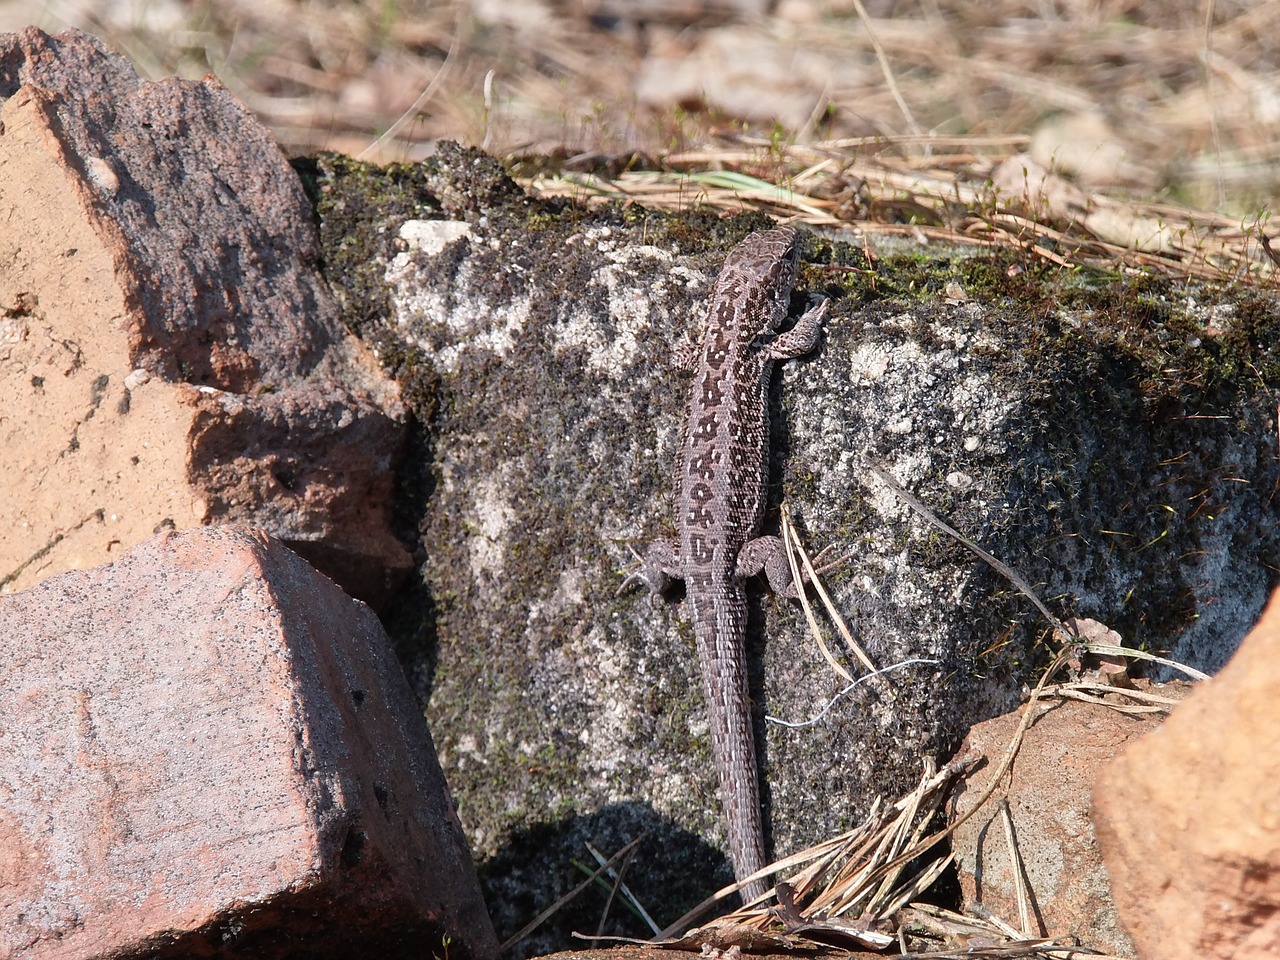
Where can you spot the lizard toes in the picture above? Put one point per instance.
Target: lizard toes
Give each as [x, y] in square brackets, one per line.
[631, 578]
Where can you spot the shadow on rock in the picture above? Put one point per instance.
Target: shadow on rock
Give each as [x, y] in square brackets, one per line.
[669, 872]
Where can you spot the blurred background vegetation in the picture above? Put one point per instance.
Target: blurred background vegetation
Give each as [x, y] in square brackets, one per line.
[1171, 103]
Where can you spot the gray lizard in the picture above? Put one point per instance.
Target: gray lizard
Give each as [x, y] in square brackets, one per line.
[720, 497]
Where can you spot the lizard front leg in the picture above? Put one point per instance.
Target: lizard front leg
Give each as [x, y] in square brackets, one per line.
[801, 338]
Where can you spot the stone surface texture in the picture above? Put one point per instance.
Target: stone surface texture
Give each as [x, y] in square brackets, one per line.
[1188, 817]
[1058, 425]
[169, 354]
[1048, 795]
[209, 749]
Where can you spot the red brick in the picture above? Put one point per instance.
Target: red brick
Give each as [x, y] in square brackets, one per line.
[208, 746]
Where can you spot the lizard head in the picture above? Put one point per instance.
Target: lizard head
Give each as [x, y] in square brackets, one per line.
[757, 278]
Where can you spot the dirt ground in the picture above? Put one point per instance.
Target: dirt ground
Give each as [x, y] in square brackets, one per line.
[1173, 102]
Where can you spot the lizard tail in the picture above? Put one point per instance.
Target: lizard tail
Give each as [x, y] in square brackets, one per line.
[719, 622]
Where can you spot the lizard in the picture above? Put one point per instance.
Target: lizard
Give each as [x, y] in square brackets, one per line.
[720, 496]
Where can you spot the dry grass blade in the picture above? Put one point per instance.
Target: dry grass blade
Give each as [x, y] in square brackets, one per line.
[1018, 872]
[863, 864]
[615, 878]
[1065, 635]
[681, 191]
[916, 885]
[815, 630]
[797, 557]
[551, 911]
[985, 936]
[1011, 751]
[794, 548]
[1106, 695]
[854, 889]
[622, 888]
[1010, 950]
[1114, 651]
[911, 823]
[423, 98]
[885, 69]
[942, 187]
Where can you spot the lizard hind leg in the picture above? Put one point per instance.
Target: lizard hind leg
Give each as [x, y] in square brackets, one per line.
[659, 566]
[769, 555]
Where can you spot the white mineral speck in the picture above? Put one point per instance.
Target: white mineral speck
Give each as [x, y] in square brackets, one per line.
[432, 236]
[101, 175]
